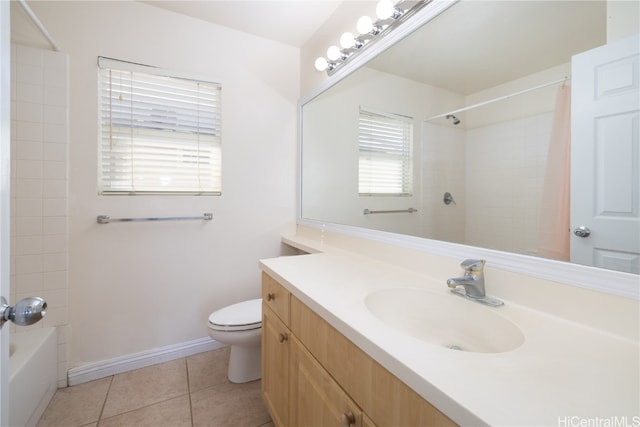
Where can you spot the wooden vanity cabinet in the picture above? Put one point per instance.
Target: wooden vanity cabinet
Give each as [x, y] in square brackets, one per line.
[312, 375]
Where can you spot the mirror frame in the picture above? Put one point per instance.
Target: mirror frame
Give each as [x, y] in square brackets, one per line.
[598, 279]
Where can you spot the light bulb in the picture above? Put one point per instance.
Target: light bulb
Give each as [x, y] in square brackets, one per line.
[385, 9]
[347, 40]
[333, 53]
[321, 64]
[364, 25]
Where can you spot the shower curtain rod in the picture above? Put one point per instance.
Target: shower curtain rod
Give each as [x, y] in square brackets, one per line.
[41, 27]
[500, 98]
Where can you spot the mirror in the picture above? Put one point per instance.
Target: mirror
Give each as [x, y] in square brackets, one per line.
[496, 69]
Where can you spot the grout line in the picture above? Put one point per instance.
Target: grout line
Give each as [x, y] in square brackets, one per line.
[106, 396]
[186, 361]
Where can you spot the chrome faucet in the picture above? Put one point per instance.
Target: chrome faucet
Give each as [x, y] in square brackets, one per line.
[473, 283]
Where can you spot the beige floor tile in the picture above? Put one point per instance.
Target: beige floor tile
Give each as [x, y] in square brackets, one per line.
[76, 406]
[208, 369]
[171, 413]
[146, 386]
[229, 405]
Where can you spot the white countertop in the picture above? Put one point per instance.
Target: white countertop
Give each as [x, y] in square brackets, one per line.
[564, 373]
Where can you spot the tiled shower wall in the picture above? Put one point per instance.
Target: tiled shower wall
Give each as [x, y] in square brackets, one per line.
[39, 162]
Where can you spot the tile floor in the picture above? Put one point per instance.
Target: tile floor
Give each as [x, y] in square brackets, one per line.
[189, 392]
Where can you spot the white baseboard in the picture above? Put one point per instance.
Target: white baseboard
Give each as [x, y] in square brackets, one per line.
[117, 365]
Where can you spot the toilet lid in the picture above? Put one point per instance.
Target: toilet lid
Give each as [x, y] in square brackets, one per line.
[242, 316]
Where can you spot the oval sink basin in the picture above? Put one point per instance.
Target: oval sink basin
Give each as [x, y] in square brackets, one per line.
[445, 320]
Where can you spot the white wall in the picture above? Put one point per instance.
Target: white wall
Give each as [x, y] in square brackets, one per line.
[138, 286]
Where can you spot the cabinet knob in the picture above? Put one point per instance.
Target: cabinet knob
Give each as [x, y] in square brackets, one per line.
[282, 337]
[271, 296]
[347, 419]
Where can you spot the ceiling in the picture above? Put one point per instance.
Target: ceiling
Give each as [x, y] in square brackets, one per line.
[291, 22]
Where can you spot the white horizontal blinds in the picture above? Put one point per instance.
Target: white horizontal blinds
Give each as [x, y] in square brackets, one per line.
[158, 134]
[385, 161]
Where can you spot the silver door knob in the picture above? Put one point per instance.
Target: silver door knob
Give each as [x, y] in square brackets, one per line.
[582, 231]
[26, 311]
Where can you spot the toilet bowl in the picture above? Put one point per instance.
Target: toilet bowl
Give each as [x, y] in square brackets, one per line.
[240, 326]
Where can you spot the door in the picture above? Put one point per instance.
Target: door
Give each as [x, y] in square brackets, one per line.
[5, 58]
[605, 157]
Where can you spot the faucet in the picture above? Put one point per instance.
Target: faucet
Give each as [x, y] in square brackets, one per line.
[472, 282]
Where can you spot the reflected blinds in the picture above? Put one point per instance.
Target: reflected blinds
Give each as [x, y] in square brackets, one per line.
[385, 160]
[159, 133]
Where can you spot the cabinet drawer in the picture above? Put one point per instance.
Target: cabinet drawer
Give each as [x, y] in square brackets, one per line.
[275, 297]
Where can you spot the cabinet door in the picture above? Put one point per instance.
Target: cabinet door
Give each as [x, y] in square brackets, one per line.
[315, 398]
[275, 366]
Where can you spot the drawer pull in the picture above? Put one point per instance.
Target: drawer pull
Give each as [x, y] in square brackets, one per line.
[271, 296]
[347, 419]
[282, 337]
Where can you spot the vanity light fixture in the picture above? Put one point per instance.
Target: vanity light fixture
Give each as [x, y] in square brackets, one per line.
[390, 15]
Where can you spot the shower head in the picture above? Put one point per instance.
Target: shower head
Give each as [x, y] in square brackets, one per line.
[455, 120]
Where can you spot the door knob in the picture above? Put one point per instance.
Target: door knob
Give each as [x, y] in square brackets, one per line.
[582, 231]
[26, 311]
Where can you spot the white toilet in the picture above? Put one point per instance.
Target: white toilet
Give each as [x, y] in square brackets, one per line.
[240, 326]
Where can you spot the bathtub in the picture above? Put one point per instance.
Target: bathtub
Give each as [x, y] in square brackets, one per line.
[33, 378]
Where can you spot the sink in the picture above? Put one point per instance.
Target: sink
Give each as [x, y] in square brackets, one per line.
[445, 320]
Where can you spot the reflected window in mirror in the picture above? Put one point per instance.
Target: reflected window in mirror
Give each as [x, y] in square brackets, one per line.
[385, 144]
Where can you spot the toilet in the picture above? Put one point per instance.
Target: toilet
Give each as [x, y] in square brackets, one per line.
[240, 326]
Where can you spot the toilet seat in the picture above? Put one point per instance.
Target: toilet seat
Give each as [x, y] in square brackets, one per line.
[243, 316]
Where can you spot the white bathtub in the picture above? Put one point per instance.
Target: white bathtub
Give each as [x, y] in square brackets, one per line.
[33, 380]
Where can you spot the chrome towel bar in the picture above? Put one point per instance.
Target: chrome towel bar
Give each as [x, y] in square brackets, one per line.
[369, 212]
[106, 219]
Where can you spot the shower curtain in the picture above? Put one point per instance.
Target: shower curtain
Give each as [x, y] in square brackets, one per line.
[553, 227]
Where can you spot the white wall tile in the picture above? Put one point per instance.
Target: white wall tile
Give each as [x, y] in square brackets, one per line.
[30, 226]
[54, 60]
[28, 187]
[54, 243]
[55, 133]
[26, 264]
[29, 150]
[55, 298]
[54, 225]
[54, 262]
[55, 114]
[55, 188]
[29, 74]
[28, 207]
[55, 151]
[29, 245]
[26, 92]
[55, 77]
[29, 131]
[55, 317]
[54, 170]
[29, 111]
[54, 207]
[29, 283]
[55, 96]
[55, 279]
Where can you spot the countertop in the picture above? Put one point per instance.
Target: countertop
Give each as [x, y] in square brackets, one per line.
[564, 373]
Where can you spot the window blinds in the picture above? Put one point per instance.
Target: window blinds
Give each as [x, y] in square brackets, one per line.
[385, 160]
[158, 133]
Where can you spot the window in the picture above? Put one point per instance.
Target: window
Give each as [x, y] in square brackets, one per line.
[159, 133]
[385, 161]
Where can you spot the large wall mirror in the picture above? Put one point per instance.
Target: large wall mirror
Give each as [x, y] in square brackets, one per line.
[486, 87]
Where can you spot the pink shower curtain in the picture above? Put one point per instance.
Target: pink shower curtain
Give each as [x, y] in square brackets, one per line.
[553, 227]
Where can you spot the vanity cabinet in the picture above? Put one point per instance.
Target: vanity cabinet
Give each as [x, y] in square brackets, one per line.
[313, 375]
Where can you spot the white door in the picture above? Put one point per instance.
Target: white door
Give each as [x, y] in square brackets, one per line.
[605, 156]
[5, 106]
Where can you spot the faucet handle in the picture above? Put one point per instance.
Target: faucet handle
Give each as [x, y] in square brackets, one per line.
[472, 265]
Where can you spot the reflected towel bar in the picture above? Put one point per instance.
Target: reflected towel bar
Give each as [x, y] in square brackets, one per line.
[106, 219]
[369, 212]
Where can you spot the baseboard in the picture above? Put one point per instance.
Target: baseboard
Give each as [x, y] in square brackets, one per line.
[118, 365]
